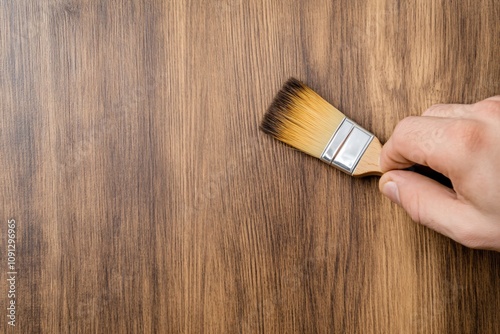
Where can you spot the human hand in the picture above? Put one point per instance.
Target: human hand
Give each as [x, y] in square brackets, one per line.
[462, 142]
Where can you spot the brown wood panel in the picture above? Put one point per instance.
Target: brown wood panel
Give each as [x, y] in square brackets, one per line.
[147, 200]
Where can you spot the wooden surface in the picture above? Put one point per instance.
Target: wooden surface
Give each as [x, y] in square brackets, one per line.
[146, 199]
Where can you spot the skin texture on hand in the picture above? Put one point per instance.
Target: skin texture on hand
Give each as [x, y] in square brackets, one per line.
[462, 142]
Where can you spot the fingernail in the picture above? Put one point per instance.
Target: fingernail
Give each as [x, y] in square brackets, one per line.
[390, 189]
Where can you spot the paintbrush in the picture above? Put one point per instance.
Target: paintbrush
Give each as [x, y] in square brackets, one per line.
[301, 118]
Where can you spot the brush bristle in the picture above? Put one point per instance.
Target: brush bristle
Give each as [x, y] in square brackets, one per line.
[301, 118]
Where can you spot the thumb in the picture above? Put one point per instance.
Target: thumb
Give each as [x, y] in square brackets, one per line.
[426, 201]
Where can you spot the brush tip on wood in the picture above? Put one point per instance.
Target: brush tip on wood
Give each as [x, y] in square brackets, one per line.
[301, 118]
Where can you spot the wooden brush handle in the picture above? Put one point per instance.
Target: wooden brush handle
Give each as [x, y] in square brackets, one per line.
[369, 163]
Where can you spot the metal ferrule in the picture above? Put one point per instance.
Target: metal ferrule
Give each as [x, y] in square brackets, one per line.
[347, 146]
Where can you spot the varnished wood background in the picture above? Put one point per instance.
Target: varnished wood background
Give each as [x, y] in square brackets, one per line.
[147, 200]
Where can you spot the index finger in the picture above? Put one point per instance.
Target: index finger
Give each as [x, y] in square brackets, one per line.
[436, 142]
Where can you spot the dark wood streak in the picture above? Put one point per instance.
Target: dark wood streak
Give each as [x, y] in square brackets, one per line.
[147, 200]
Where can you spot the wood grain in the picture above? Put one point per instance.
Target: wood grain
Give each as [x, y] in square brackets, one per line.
[147, 200]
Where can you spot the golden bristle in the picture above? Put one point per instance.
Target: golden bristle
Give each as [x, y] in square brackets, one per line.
[301, 118]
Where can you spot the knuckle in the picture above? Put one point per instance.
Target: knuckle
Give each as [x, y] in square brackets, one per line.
[432, 109]
[405, 127]
[494, 98]
[469, 134]
[407, 122]
[489, 109]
